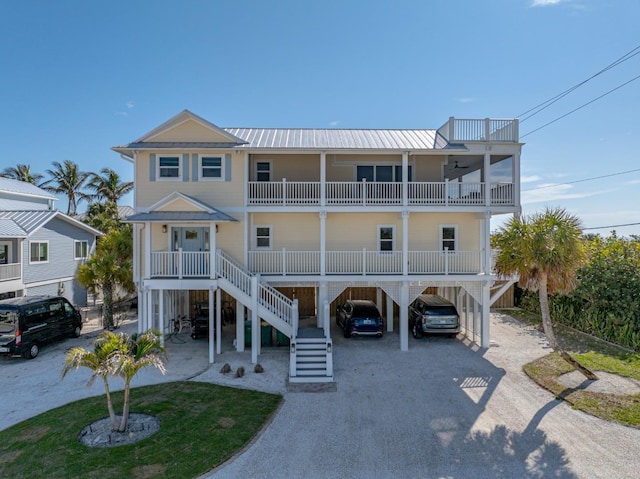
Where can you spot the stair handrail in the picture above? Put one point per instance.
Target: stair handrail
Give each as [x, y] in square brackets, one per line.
[268, 297]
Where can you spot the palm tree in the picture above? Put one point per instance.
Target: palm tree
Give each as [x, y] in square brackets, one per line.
[22, 172]
[108, 186]
[97, 361]
[110, 267]
[136, 352]
[67, 179]
[545, 251]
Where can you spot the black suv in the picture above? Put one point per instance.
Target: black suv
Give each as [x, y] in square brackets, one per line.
[30, 321]
[359, 317]
[432, 314]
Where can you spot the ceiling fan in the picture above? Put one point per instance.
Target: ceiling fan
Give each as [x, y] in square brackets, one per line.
[461, 167]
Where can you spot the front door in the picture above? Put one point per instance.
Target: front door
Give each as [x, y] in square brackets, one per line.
[190, 238]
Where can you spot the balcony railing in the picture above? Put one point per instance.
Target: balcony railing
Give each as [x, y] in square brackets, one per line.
[180, 264]
[9, 272]
[363, 193]
[488, 129]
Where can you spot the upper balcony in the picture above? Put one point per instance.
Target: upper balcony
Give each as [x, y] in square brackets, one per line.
[458, 130]
[363, 193]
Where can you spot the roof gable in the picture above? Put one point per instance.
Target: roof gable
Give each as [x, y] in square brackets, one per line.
[177, 201]
[188, 127]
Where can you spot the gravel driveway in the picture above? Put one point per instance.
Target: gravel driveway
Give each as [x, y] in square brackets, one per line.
[442, 409]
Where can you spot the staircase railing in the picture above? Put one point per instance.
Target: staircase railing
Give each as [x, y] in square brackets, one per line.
[268, 297]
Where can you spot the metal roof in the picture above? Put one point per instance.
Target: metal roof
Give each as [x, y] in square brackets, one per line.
[161, 216]
[9, 229]
[29, 221]
[338, 139]
[24, 188]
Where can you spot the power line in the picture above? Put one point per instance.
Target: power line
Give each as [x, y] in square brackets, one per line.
[580, 107]
[584, 179]
[537, 109]
[611, 226]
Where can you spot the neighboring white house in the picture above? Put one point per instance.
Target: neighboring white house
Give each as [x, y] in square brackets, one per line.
[40, 248]
[283, 221]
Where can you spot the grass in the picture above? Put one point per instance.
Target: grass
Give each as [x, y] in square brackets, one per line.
[202, 425]
[596, 355]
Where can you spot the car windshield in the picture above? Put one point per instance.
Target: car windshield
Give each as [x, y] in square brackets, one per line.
[365, 310]
[7, 321]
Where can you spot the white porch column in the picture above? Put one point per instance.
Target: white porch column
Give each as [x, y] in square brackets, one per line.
[245, 224]
[467, 307]
[323, 243]
[404, 316]
[476, 322]
[405, 178]
[515, 170]
[486, 170]
[389, 313]
[211, 328]
[255, 321]
[141, 308]
[219, 320]
[239, 326]
[147, 250]
[405, 243]
[161, 315]
[212, 250]
[486, 243]
[486, 315]
[148, 311]
[320, 310]
[323, 178]
[379, 299]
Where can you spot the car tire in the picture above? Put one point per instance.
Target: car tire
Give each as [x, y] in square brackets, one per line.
[32, 352]
[416, 332]
[76, 332]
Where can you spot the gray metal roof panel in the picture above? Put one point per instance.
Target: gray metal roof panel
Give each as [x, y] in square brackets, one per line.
[158, 216]
[9, 229]
[29, 221]
[24, 188]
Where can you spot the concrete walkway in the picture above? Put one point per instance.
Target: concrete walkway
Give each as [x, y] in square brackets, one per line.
[442, 409]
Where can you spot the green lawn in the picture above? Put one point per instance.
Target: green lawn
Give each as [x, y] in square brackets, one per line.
[202, 425]
[596, 355]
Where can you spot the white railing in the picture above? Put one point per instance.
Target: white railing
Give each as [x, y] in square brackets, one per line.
[364, 262]
[180, 264]
[362, 193]
[9, 271]
[233, 272]
[487, 129]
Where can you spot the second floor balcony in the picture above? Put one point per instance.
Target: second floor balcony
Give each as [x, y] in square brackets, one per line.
[363, 193]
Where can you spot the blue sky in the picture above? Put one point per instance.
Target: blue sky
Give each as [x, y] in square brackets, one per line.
[81, 76]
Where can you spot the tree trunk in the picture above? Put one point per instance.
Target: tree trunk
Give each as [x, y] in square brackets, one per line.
[547, 325]
[107, 291]
[112, 414]
[125, 409]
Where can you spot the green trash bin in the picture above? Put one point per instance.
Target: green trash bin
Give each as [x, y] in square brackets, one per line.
[281, 339]
[266, 331]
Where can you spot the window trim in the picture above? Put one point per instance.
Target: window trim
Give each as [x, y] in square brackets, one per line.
[201, 177]
[270, 171]
[379, 239]
[455, 238]
[159, 176]
[255, 237]
[48, 251]
[75, 245]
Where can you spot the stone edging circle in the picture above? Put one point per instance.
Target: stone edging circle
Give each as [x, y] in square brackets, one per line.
[99, 433]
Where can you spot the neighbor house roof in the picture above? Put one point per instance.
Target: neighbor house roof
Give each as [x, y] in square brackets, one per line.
[29, 221]
[24, 188]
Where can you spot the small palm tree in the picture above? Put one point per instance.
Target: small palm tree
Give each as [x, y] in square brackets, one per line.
[22, 172]
[97, 361]
[108, 186]
[67, 179]
[137, 352]
[544, 250]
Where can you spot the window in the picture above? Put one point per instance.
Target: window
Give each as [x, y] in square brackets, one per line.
[380, 173]
[81, 249]
[263, 171]
[211, 168]
[386, 238]
[263, 237]
[4, 254]
[39, 252]
[448, 237]
[169, 167]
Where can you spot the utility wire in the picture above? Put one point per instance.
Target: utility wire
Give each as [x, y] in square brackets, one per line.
[584, 179]
[580, 107]
[611, 226]
[544, 105]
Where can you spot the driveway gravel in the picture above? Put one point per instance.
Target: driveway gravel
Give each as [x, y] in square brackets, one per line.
[443, 409]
